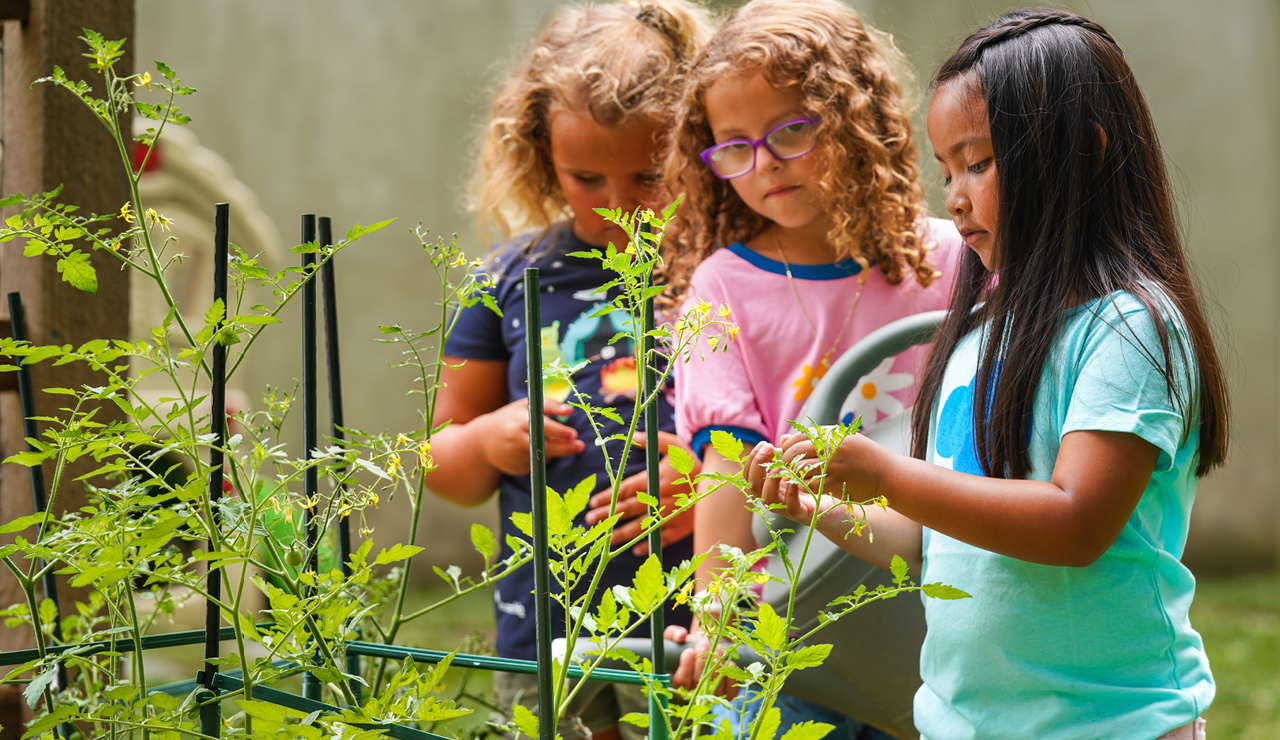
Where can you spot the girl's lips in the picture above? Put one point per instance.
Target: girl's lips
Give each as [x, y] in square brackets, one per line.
[972, 236]
[781, 190]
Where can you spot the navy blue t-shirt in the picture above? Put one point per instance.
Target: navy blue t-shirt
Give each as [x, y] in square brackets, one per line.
[609, 379]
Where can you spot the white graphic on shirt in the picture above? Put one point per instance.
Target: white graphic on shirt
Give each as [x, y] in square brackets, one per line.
[589, 296]
[872, 397]
[514, 608]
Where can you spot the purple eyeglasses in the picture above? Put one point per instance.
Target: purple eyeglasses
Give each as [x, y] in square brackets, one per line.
[737, 157]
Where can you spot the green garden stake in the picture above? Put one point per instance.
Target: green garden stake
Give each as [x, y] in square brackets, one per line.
[649, 395]
[538, 489]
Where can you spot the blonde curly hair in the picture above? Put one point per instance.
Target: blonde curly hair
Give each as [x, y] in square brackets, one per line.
[869, 185]
[617, 62]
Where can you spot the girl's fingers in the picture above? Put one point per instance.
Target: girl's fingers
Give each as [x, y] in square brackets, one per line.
[552, 407]
[675, 633]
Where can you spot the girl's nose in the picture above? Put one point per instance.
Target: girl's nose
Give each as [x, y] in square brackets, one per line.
[957, 201]
[765, 161]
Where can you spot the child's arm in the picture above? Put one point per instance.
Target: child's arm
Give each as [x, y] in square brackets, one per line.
[894, 534]
[721, 517]
[488, 436]
[1070, 520]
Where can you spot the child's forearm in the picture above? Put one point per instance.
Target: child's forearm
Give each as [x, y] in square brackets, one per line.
[1070, 520]
[721, 517]
[893, 534]
[463, 473]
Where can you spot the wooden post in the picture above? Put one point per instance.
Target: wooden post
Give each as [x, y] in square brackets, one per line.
[51, 139]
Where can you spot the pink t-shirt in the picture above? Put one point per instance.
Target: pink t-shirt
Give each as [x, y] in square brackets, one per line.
[763, 379]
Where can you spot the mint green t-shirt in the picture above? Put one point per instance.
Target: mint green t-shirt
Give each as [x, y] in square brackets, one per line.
[1057, 653]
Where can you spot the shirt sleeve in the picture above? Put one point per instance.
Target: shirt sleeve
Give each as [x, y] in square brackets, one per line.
[1121, 385]
[713, 388]
[477, 335]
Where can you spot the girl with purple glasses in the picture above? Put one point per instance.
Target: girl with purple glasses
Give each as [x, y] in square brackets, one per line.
[803, 213]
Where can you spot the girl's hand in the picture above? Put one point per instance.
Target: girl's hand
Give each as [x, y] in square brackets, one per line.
[693, 661]
[633, 510]
[767, 486]
[506, 441]
[856, 471]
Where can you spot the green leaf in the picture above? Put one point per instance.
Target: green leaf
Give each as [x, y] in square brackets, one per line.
[649, 585]
[35, 689]
[397, 552]
[526, 721]
[943, 591]
[482, 540]
[808, 731]
[21, 523]
[770, 629]
[729, 447]
[607, 612]
[769, 724]
[680, 459]
[75, 269]
[27, 459]
[265, 711]
[809, 656]
[256, 320]
[898, 567]
[40, 354]
[637, 719]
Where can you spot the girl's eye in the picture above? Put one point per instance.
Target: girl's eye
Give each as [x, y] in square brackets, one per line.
[979, 167]
[946, 182]
[588, 179]
[649, 179]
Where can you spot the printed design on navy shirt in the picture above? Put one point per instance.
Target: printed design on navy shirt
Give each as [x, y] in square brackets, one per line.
[588, 337]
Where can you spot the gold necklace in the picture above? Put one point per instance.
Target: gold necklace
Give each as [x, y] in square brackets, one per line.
[825, 361]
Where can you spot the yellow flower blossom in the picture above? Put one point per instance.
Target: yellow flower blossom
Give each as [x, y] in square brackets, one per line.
[724, 310]
[424, 454]
[712, 341]
[373, 499]
[126, 212]
[144, 80]
[858, 526]
[883, 503]
[762, 578]
[684, 594]
[713, 588]
[393, 465]
[459, 260]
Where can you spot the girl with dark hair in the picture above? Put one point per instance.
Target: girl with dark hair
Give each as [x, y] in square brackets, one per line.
[1069, 406]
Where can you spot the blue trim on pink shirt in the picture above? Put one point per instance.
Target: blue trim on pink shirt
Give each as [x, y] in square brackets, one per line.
[702, 437]
[829, 271]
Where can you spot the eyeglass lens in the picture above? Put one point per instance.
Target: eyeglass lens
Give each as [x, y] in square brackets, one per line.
[787, 141]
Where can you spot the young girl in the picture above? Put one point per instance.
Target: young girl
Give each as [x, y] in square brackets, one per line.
[1063, 505]
[577, 127]
[804, 216]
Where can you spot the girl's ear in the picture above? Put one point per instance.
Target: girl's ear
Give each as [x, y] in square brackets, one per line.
[1102, 146]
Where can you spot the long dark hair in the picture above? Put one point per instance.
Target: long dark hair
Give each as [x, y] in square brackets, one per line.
[1085, 210]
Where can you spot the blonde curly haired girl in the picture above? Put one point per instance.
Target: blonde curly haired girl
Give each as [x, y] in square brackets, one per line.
[577, 125]
[616, 64]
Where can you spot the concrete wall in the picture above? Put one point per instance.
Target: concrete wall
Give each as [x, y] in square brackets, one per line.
[367, 110]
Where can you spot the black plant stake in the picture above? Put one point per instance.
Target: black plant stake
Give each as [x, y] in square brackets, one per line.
[329, 298]
[211, 713]
[310, 480]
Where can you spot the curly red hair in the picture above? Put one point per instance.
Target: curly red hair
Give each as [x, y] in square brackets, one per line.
[869, 184]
